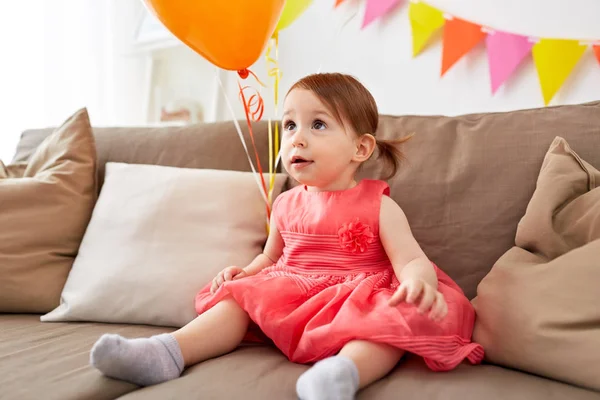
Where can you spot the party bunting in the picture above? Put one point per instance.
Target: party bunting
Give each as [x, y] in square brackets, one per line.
[378, 8]
[425, 21]
[460, 37]
[505, 52]
[554, 60]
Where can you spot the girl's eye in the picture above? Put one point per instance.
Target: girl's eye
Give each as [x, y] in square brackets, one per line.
[319, 125]
[289, 126]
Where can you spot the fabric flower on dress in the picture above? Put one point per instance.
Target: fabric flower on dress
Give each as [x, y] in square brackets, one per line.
[355, 236]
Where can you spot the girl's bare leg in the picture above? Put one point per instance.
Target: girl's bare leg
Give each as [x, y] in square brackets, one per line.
[160, 358]
[214, 333]
[373, 360]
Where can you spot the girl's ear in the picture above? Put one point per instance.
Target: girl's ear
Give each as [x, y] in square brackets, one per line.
[365, 145]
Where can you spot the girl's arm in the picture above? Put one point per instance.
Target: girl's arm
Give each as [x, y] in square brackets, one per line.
[418, 280]
[269, 256]
[271, 253]
[407, 257]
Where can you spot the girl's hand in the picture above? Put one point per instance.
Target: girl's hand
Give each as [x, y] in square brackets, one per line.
[228, 274]
[423, 296]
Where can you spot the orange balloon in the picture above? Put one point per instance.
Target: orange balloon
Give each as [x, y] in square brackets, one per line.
[231, 34]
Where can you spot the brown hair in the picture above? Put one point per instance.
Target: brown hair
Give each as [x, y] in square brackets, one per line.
[352, 104]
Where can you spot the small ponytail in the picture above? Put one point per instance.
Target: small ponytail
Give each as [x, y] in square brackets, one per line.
[393, 157]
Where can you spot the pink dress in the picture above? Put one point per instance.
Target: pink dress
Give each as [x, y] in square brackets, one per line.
[333, 282]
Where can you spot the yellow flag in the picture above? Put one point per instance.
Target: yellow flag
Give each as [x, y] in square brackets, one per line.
[425, 21]
[554, 60]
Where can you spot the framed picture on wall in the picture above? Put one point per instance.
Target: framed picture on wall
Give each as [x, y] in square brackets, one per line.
[150, 34]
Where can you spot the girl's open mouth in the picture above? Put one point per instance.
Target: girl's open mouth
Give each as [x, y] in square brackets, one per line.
[300, 162]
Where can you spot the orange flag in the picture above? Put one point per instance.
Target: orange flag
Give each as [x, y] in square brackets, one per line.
[460, 37]
[597, 52]
[338, 2]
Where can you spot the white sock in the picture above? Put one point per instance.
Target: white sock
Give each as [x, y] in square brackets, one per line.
[334, 378]
[145, 362]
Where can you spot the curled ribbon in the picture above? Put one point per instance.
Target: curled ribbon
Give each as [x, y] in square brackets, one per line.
[254, 104]
[273, 72]
[254, 109]
[245, 73]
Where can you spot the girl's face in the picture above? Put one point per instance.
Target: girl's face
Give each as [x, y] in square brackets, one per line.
[316, 149]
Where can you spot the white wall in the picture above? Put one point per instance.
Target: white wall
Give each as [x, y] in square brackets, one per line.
[128, 73]
[62, 55]
[21, 73]
[76, 56]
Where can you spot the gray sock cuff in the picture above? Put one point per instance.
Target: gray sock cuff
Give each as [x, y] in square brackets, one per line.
[169, 341]
[352, 367]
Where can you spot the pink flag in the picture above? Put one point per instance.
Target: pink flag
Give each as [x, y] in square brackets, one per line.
[378, 8]
[505, 52]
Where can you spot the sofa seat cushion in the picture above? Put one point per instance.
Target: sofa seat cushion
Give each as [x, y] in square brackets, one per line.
[50, 361]
[260, 372]
[467, 382]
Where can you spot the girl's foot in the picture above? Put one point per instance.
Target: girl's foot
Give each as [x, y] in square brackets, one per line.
[144, 362]
[334, 378]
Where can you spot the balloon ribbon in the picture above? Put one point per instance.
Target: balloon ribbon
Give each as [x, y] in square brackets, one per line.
[254, 107]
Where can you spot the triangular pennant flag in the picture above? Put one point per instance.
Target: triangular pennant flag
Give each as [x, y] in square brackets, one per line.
[554, 60]
[505, 52]
[424, 21]
[460, 37]
[338, 2]
[378, 8]
[597, 52]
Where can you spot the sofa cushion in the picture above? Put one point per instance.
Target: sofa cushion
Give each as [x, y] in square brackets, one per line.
[538, 307]
[260, 372]
[464, 187]
[468, 382]
[45, 205]
[157, 236]
[467, 179]
[210, 146]
[50, 361]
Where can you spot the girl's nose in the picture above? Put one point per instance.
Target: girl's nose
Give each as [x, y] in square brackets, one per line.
[299, 139]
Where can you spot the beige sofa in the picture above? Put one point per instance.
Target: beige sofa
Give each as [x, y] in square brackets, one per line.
[465, 186]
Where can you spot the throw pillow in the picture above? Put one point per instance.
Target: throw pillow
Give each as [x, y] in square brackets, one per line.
[537, 310]
[45, 206]
[157, 236]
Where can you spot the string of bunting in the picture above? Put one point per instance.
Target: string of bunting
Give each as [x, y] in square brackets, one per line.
[554, 58]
